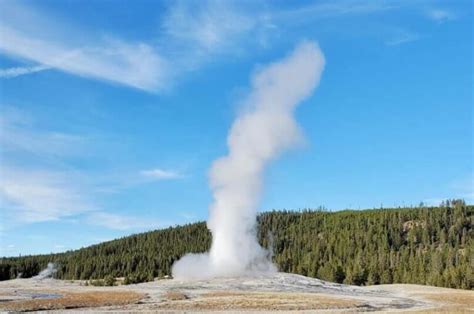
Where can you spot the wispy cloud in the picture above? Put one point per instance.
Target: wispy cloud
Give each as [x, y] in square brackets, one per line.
[19, 133]
[199, 32]
[402, 37]
[211, 27]
[330, 9]
[465, 188]
[440, 15]
[161, 174]
[461, 188]
[208, 27]
[39, 184]
[121, 222]
[188, 216]
[195, 33]
[33, 35]
[32, 193]
[7, 250]
[31, 196]
[133, 64]
[36, 196]
[39, 196]
[18, 71]
[192, 32]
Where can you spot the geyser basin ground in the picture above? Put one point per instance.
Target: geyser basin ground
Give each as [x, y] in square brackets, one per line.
[279, 291]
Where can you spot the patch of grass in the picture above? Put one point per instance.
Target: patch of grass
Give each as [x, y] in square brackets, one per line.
[71, 300]
[269, 301]
[175, 296]
[108, 281]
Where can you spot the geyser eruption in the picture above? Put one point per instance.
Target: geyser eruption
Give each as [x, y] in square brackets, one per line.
[265, 128]
[48, 272]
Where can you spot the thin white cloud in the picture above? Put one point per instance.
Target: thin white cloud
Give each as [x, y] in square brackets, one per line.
[440, 15]
[44, 195]
[33, 190]
[462, 189]
[121, 222]
[191, 35]
[211, 27]
[333, 9]
[465, 188]
[199, 33]
[30, 34]
[133, 64]
[402, 38]
[208, 27]
[434, 201]
[18, 133]
[36, 196]
[161, 174]
[188, 216]
[18, 71]
[8, 250]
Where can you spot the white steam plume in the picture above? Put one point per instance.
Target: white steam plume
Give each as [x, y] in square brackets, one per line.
[48, 272]
[265, 129]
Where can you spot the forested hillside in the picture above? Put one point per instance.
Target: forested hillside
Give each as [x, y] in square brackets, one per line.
[424, 245]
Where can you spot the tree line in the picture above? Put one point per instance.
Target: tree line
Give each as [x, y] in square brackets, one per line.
[420, 245]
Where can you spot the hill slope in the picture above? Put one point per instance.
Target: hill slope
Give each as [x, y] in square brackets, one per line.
[423, 245]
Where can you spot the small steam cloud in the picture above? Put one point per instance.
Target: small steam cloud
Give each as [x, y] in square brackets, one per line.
[48, 272]
[259, 134]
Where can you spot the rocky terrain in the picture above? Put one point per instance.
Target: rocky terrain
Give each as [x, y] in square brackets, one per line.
[256, 293]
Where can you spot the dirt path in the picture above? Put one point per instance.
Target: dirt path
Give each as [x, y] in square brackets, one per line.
[282, 292]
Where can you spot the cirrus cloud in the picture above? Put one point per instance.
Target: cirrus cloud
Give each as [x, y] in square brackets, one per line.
[161, 174]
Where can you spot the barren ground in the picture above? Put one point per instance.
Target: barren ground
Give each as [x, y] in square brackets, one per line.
[260, 293]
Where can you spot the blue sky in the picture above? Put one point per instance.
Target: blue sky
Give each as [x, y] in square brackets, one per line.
[112, 112]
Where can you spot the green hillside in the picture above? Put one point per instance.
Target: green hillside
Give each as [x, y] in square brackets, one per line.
[423, 245]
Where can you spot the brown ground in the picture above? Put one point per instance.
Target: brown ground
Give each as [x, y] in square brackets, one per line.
[265, 293]
[444, 300]
[175, 296]
[71, 300]
[457, 302]
[268, 301]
